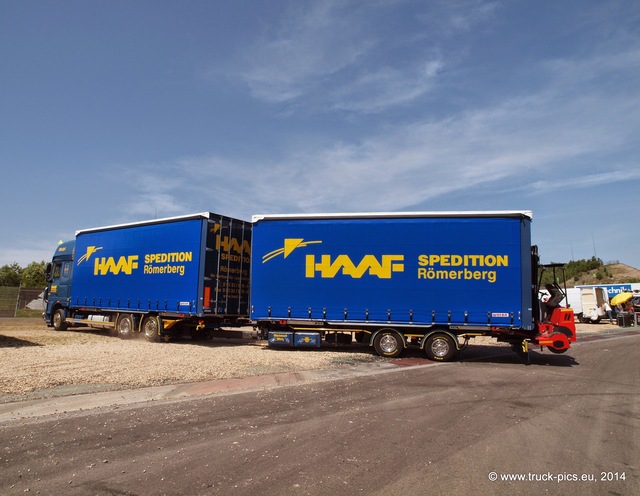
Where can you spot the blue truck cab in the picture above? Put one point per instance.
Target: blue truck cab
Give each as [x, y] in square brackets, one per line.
[59, 274]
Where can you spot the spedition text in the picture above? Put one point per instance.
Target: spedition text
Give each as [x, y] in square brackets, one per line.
[464, 260]
[161, 263]
[460, 267]
[176, 256]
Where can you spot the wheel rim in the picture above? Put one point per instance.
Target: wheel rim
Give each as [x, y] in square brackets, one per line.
[125, 326]
[57, 319]
[151, 328]
[388, 343]
[440, 347]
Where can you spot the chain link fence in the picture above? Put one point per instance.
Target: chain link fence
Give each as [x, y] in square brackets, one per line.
[13, 299]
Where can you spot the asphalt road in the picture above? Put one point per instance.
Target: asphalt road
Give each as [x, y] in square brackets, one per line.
[566, 424]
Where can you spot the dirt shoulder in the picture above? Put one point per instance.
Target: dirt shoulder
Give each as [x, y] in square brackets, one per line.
[38, 362]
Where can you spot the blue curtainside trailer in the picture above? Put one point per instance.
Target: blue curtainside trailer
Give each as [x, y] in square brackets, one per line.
[188, 273]
[400, 279]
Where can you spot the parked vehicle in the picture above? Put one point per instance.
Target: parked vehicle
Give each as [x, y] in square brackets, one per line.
[614, 289]
[181, 274]
[427, 280]
[588, 303]
[399, 280]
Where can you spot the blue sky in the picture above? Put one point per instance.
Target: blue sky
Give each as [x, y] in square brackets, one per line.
[131, 110]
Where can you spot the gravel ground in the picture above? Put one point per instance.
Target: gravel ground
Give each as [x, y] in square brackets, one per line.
[37, 361]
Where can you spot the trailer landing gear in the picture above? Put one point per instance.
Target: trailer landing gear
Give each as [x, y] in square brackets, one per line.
[522, 350]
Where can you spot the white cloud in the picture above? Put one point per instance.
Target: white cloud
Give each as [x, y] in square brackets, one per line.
[386, 87]
[158, 190]
[315, 42]
[466, 14]
[545, 141]
[564, 133]
[620, 174]
[338, 56]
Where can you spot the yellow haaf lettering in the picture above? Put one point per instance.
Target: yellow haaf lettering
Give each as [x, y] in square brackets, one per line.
[369, 263]
[103, 265]
[233, 245]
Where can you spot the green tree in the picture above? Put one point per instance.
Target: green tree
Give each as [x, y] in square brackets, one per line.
[33, 275]
[577, 267]
[10, 275]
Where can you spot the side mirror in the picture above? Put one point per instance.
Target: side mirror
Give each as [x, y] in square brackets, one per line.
[48, 272]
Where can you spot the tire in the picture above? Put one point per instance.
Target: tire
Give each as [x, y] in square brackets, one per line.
[388, 343]
[440, 347]
[152, 328]
[559, 332]
[125, 326]
[59, 320]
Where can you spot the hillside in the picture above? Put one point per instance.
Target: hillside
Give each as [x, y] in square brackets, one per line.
[608, 274]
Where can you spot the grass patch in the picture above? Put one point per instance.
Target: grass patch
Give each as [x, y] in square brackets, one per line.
[29, 313]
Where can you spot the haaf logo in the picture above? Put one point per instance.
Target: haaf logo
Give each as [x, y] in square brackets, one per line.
[290, 244]
[90, 251]
[230, 244]
[328, 269]
[105, 265]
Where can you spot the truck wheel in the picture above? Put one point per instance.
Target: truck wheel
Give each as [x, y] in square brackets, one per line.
[125, 326]
[388, 344]
[60, 320]
[152, 326]
[440, 347]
